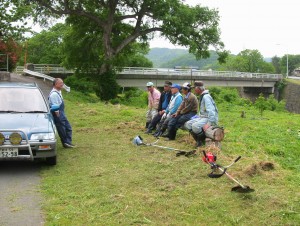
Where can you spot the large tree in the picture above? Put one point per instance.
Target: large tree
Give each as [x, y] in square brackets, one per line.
[113, 26]
[121, 22]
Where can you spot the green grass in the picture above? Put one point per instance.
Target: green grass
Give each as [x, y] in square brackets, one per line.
[107, 180]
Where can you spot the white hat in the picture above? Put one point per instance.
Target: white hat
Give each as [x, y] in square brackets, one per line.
[186, 85]
[150, 84]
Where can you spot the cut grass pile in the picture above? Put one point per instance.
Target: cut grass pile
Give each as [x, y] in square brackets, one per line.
[106, 180]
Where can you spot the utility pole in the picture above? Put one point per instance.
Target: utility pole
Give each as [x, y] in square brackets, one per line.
[287, 65]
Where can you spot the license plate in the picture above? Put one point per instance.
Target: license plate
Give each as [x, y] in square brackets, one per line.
[8, 152]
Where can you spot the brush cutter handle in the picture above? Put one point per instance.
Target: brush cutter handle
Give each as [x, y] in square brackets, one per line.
[238, 158]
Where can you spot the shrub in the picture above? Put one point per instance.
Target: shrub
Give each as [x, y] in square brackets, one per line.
[132, 97]
[80, 83]
[107, 87]
[261, 104]
[229, 95]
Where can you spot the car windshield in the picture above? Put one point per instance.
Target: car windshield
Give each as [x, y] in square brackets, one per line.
[14, 99]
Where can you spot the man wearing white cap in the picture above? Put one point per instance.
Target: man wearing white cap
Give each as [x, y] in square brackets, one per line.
[153, 102]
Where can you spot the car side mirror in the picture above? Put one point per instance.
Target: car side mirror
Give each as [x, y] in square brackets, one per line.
[54, 107]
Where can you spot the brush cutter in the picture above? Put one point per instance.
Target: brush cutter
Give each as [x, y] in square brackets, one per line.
[138, 140]
[211, 159]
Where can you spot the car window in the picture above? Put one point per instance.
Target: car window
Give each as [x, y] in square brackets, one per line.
[21, 100]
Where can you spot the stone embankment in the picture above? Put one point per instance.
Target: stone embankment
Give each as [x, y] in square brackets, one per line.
[291, 95]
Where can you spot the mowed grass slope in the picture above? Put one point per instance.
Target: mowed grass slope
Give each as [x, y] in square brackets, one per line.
[107, 180]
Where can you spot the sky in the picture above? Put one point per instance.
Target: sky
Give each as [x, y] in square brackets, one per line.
[270, 26]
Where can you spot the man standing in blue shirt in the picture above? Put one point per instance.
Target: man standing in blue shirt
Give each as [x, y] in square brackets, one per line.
[62, 124]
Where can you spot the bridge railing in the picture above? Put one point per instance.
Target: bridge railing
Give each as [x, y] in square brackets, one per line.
[52, 69]
[47, 69]
[40, 75]
[193, 72]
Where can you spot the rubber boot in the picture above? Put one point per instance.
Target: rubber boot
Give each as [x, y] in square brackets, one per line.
[171, 133]
[147, 124]
[160, 132]
[149, 128]
[199, 138]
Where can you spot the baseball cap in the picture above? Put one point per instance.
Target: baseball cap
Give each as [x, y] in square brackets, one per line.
[198, 83]
[168, 83]
[150, 84]
[176, 86]
[186, 85]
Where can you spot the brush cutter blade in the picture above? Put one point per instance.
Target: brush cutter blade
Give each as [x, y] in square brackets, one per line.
[138, 141]
[240, 189]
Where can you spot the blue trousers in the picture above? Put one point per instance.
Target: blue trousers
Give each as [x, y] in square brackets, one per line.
[63, 127]
[179, 121]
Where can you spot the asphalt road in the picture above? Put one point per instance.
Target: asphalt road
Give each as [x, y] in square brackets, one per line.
[20, 196]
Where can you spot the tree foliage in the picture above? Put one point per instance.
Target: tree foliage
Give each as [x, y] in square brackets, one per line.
[248, 61]
[9, 54]
[13, 20]
[121, 22]
[105, 32]
[293, 63]
[45, 47]
[276, 64]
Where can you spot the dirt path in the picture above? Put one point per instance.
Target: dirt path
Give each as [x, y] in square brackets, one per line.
[20, 196]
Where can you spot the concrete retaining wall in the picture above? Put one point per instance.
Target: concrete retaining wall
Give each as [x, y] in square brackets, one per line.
[291, 95]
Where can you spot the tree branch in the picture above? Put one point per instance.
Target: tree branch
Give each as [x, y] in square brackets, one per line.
[133, 36]
[69, 11]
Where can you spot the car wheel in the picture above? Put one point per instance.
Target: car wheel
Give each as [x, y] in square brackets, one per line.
[51, 161]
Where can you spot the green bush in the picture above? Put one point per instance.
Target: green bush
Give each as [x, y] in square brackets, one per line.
[261, 103]
[132, 97]
[80, 83]
[107, 87]
[229, 95]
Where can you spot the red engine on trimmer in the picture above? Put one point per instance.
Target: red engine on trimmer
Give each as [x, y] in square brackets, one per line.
[209, 158]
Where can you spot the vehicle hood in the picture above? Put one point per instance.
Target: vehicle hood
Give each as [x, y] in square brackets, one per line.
[27, 122]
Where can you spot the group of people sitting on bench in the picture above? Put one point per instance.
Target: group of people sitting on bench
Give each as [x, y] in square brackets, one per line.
[177, 107]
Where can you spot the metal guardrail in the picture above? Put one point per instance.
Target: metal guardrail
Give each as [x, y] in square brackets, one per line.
[40, 75]
[193, 72]
[48, 69]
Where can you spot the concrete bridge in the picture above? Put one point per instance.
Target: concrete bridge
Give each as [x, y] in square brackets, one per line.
[138, 77]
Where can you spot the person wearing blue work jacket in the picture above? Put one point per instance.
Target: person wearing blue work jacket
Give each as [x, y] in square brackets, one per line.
[207, 116]
[62, 124]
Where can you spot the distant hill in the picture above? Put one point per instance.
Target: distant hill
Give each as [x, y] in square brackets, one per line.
[162, 55]
[169, 58]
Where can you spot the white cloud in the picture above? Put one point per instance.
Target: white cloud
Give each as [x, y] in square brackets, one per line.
[255, 24]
